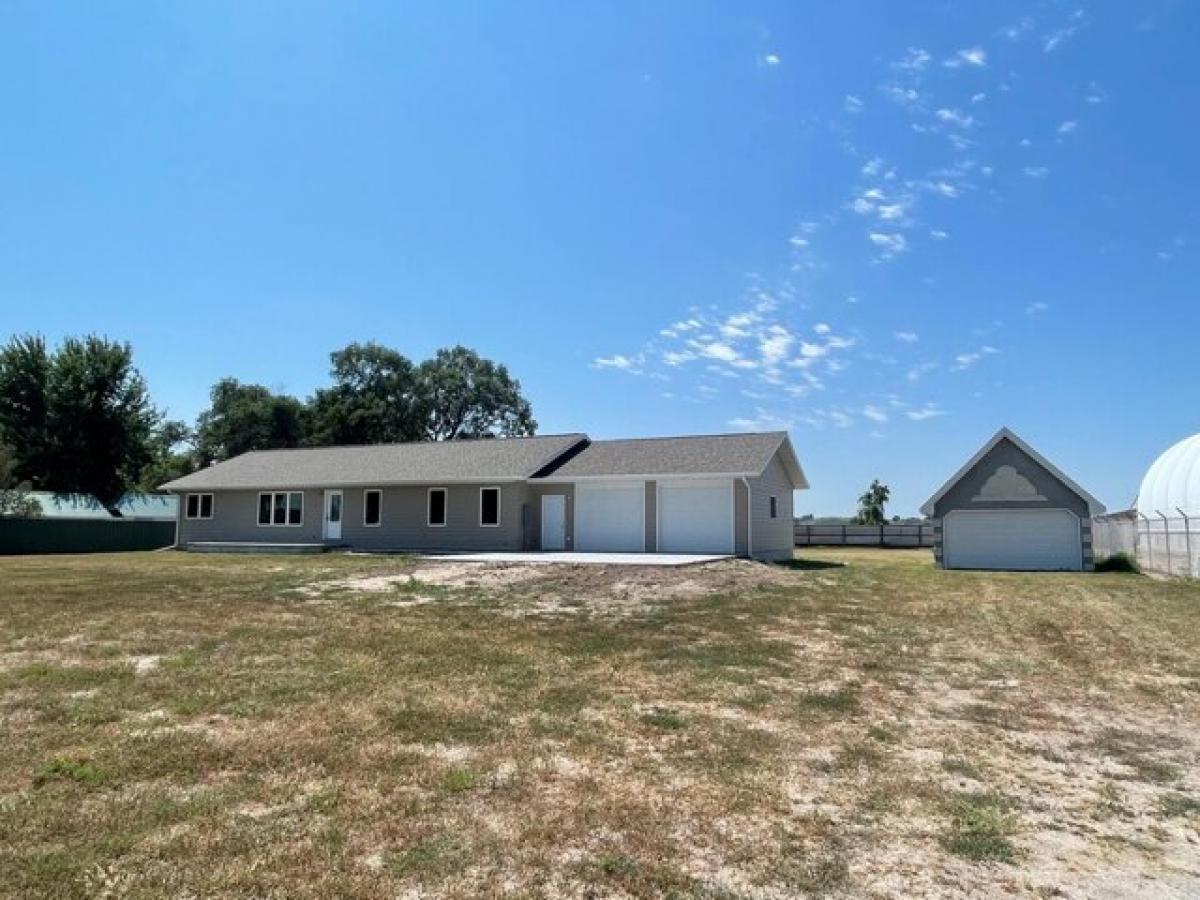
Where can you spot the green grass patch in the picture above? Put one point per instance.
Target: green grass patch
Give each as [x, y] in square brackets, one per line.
[436, 856]
[840, 700]
[80, 771]
[980, 825]
[665, 719]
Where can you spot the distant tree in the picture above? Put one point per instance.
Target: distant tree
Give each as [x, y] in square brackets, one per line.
[871, 504]
[463, 395]
[100, 419]
[14, 494]
[173, 455]
[373, 399]
[24, 372]
[243, 417]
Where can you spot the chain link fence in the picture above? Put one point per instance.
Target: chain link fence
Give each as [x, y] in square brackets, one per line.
[1163, 544]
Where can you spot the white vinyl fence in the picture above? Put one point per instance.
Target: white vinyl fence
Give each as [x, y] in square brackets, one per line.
[1164, 545]
[807, 535]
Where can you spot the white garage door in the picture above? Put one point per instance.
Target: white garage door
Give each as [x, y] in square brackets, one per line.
[1027, 540]
[695, 517]
[610, 517]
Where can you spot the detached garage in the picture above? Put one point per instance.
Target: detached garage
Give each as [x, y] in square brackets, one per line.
[1011, 508]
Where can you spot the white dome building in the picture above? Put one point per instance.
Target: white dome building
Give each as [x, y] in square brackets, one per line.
[1168, 509]
[1173, 483]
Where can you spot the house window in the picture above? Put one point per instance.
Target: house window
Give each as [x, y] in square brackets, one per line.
[436, 516]
[774, 507]
[372, 508]
[198, 506]
[281, 508]
[489, 507]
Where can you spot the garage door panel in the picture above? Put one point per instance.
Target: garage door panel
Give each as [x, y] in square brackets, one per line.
[1019, 540]
[610, 517]
[695, 517]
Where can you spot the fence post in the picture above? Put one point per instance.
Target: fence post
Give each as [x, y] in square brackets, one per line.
[1187, 540]
[1149, 543]
[1166, 537]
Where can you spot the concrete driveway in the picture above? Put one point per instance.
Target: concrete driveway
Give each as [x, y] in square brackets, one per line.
[597, 559]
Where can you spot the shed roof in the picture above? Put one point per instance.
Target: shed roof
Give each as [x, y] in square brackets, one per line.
[493, 459]
[1095, 507]
[746, 454]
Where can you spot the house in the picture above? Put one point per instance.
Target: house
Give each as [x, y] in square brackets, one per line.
[1011, 508]
[729, 494]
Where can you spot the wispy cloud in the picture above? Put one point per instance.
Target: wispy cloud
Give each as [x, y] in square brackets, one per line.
[1036, 308]
[771, 59]
[907, 337]
[1036, 171]
[966, 360]
[617, 361]
[923, 413]
[852, 104]
[915, 60]
[971, 56]
[890, 245]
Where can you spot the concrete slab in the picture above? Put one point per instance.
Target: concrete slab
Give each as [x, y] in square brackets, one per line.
[587, 559]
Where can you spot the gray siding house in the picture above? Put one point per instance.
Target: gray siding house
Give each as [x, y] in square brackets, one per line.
[1009, 507]
[727, 493]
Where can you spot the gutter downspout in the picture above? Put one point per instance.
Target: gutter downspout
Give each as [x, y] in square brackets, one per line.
[749, 520]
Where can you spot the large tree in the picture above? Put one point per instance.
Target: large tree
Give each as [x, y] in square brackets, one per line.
[245, 417]
[79, 420]
[373, 399]
[24, 372]
[172, 455]
[466, 396]
[100, 419]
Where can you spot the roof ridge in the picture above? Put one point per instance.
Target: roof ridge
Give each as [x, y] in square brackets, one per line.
[524, 437]
[689, 437]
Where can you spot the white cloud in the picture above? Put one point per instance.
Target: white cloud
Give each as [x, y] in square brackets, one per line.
[1055, 38]
[955, 117]
[971, 56]
[772, 59]
[917, 372]
[874, 413]
[915, 60]
[873, 167]
[966, 360]
[928, 411]
[719, 350]
[862, 206]
[678, 357]
[890, 245]
[617, 361]
[1036, 307]
[978, 98]
[900, 95]
[891, 212]
[840, 419]
[852, 104]
[774, 345]
[1036, 171]
[798, 242]
[907, 337]
[822, 328]
[810, 350]
[945, 189]
[1068, 126]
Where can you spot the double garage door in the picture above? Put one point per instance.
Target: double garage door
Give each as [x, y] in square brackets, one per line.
[1041, 540]
[693, 517]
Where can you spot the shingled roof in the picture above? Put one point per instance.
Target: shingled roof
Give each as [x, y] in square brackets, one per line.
[497, 459]
[716, 454]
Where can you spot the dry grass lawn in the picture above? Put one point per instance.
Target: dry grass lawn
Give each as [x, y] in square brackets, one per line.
[858, 725]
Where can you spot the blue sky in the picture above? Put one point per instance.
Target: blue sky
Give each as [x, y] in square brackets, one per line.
[890, 228]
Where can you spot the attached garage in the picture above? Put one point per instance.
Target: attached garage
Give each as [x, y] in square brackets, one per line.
[610, 517]
[696, 516]
[1009, 508]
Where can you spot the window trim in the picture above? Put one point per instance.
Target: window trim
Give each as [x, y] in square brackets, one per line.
[287, 509]
[499, 496]
[378, 491]
[445, 492]
[772, 507]
[212, 503]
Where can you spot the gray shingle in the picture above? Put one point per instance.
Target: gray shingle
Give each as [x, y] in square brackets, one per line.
[718, 454]
[474, 460]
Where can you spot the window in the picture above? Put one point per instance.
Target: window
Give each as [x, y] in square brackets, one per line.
[489, 507]
[198, 506]
[372, 508]
[281, 508]
[436, 516]
[774, 507]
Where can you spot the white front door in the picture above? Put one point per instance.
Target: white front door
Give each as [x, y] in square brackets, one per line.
[554, 522]
[1034, 540]
[333, 516]
[695, 516]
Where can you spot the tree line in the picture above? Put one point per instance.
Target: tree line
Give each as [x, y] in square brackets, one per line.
[80, 418]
